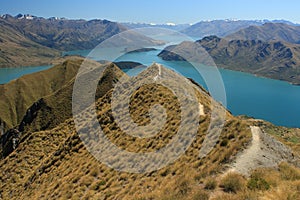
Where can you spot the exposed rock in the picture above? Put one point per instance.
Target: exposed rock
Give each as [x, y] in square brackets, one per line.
[9, 142]
[31, 114]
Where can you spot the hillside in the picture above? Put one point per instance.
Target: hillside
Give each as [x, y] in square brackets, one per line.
[269, 32]
[27, 40]
[51, 110]
[55, 164]
[24, 98]
[244, 29]
[17, 50]
[18, 95]
[53, 106]
[64, 34]
[274, 59]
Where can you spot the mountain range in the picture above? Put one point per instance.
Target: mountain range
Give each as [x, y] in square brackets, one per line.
[26, 40]
[222, 28]
[270, 50]
[201, 29]
[18, 50]
[268, 32]
[62, 34]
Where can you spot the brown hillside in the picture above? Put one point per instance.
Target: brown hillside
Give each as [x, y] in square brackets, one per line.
[273, 59]
[55, 164]
[18, 95]
[268, 32]
[17, 50]
[51, 110]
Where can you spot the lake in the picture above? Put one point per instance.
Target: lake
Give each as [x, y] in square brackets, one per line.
[8, 74]
[262, 98]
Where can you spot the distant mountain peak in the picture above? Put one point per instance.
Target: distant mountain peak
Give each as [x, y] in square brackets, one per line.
[25, 16]
[6, 16]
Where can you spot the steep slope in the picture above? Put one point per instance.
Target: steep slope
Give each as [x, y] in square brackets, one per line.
[18, 95]
[51, 110]
[269, 32]
[63, 34]
[274, 59]
[17, 50]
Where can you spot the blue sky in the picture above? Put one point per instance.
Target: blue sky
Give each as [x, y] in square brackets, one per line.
[157, 11]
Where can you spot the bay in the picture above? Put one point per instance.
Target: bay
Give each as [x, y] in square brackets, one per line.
[246, 94]
[262, 98]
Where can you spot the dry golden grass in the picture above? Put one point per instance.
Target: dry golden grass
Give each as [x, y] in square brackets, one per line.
[233, 183]
[54, 164]
[57, 107]
[18, 95]
[266, 184]
[210, 183]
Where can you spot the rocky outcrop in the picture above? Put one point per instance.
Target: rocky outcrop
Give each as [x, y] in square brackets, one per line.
[11, 138]
[9, 142]
[31, 114]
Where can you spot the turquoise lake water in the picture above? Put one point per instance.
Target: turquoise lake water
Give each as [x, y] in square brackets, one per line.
[8, 74]
[262, 98]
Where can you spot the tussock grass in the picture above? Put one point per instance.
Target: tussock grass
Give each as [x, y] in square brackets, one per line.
[67, 166]
[210, 183]
[233, 182]
[18, 95]
[55, 164]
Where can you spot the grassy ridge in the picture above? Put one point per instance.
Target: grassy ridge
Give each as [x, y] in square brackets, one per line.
[56, 164]
[18, 95]
[57, 107]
